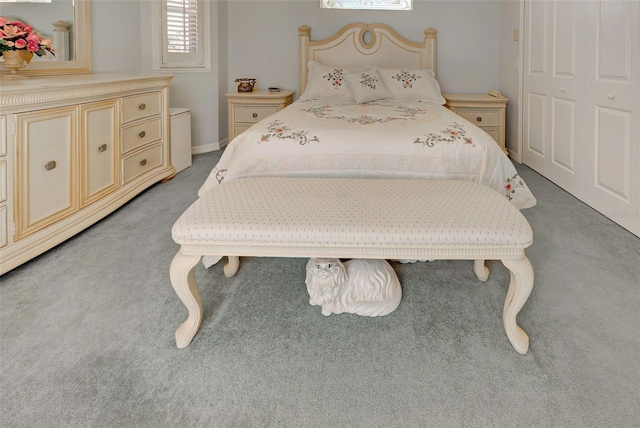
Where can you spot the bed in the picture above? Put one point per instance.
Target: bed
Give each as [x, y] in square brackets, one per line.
[370, 107]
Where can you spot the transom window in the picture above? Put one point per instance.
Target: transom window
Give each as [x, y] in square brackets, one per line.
[368, 4]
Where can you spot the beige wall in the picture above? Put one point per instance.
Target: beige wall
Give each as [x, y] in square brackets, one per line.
[259, 39]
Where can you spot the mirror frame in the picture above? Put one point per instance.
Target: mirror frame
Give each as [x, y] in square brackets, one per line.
[82, 39]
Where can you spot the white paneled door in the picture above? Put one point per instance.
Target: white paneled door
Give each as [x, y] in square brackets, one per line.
[554, 90]
[612, 105]
[580, 101]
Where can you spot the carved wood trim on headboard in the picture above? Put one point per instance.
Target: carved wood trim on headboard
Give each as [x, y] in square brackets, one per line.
[366, 44]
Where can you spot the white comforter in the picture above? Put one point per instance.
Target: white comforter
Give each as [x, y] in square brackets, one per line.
[383, 139]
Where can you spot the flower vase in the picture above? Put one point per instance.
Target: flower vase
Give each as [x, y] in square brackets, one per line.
[15, 60]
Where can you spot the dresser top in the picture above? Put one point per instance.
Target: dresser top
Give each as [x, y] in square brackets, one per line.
[22, 91]
[21, 83]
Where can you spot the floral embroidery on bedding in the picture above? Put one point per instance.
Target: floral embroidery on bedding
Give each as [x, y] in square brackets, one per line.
[404, 113]
[368, 81]
[407, 79]
[411, 112]
[513, 183]
[282, 132]
[319, 112]
[220, 174]
[455, 132]
[335, 78]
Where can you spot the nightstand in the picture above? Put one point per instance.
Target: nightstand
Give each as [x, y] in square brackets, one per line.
[247, 108]
[483, 110]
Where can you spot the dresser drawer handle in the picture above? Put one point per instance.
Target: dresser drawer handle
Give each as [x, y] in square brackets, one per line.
[102, 148]
[50, 165]
[142, 106]
[255, 115]
[479, 119]
[143, 162]
[142, 134]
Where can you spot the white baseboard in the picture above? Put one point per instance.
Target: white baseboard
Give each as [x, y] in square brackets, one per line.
[206, 148]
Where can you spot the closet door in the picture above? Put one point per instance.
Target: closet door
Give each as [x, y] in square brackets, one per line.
[553, 99]
[581, 108]
[612, 184]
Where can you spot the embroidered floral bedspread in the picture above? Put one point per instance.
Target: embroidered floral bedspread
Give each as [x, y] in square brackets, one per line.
[382, 139]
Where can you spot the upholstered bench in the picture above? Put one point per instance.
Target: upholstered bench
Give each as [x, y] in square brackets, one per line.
[353, 218]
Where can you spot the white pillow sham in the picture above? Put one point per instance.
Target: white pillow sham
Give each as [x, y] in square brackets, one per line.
[367, 86]
[326, 81]
[412, 84]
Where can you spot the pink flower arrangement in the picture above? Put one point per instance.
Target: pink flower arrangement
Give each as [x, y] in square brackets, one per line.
[17, 36]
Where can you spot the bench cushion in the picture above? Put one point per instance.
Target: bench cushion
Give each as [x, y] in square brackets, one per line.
[340, 213]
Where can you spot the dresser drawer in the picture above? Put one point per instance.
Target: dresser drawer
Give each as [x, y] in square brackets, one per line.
[253, 114]
[139, 163]
[140, 134]
[479, 117]
[140, 106]
[4, 230]
[3, 135]
[3, 181]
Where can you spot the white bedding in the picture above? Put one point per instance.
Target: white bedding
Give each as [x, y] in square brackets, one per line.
[383, 139]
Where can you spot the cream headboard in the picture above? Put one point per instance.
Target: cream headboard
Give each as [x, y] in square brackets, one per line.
[347, 47]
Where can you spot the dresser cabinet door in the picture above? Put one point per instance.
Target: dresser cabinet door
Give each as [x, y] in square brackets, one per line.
[99, 158]
[46, 175]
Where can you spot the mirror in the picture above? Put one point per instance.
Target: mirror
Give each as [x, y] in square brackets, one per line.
[75, 12]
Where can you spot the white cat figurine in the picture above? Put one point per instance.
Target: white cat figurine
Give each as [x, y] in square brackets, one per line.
[363, 287]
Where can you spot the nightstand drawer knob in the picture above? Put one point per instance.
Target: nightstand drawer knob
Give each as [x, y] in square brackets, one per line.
[102, 148]
[479, 119]
[610, 96]
[142, 106]
[255, 115]
[142, 134]
[50, 165]
[143, 162]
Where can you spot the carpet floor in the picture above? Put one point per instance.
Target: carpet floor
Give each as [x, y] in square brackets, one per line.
[87, 334]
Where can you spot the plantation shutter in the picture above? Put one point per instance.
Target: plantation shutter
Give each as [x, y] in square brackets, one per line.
[183, 39]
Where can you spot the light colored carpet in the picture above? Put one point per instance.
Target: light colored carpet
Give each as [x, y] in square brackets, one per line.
[87, 334]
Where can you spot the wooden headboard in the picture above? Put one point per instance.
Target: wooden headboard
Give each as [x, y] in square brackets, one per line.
[366, 44]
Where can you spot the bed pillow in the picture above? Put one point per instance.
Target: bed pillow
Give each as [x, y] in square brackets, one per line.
[367, 86]
[326, 81]
[412, 85]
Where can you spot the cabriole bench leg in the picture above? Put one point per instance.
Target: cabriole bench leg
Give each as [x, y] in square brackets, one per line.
[481, 271]
[184, 283]
[520, 288]
[231, 267]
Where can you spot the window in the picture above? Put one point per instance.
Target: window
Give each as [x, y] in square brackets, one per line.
[185, 35]
[368, 4]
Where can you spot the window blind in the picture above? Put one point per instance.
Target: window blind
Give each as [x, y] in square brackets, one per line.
[182, 26]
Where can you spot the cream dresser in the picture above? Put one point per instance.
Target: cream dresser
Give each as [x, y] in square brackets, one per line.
[485, 111]
[247, 108]
[72, 150]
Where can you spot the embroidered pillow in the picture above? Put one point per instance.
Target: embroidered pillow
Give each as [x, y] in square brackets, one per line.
[412, 85]
[367, 86]
[326, 81]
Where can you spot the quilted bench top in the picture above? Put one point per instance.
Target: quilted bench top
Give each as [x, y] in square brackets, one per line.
[343, 212]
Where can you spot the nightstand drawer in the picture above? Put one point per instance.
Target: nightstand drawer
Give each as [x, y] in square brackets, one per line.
[253, 114]
[140, 134]
[483, 117]
[493, 133]
[140, 106]
[239, 128]
[139, 163]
